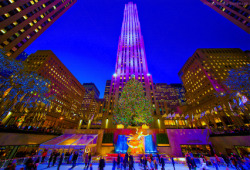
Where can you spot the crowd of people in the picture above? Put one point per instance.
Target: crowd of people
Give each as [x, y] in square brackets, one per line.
[126, 161]
[233, 160]
[29, 129]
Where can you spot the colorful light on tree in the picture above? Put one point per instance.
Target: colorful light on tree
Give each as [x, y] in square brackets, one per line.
[133, 107]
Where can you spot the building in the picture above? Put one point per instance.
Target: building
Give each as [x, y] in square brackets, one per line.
[107, 89]
[89, 87]
[23, 56]
[23, 21]
[169, 97]
[69, 92]
[171, 101]
[131, 60]
[90, 104]
[237, 11]
[209, 99]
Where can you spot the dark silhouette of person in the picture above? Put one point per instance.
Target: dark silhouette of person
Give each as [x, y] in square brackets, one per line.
[74, 159]
[60, 161]
[50, 159]
[131, 162]
[101, 163]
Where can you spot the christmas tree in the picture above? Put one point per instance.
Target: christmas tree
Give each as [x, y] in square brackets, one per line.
[238, 80]
[133, 108]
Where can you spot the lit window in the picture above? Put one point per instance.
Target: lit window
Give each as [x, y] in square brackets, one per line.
[11, 1]
[54, 7]
[15, 23]
[6, 42]
[32, 2]
[3, 31]
[22, 30]
[14, 49]
[31, 24]
[25, 17]
[8, 54]
[42, 16]
[44, 5]
[7, 15]
[18, 9]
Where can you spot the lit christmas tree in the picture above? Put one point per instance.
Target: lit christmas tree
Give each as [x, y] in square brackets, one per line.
[133, 108]
[238, 80]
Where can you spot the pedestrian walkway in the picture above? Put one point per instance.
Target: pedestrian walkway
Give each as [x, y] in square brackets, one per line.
[109, 167]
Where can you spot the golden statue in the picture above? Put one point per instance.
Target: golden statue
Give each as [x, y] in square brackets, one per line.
[136, 142]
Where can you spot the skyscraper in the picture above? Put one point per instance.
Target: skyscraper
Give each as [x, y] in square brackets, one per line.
[23, 21]
[237, 11]
[131, 59]
[203, 77]
[69, 93]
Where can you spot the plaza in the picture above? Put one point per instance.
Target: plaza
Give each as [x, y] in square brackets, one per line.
[53, 112]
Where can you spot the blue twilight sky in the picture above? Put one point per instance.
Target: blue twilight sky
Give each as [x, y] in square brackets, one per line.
[85, 38]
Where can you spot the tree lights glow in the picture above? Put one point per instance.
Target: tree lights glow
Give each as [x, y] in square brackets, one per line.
[133, 107]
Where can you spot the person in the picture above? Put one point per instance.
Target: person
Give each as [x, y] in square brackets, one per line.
[86, 160]
[74, 159]
[70, 158]
[203, 164]
[114, 164]
[191, 154]
[144, 162]
[225, 158]
[118, 160]
[50, 159]
[89, 161]
[149, 165]
[152, 166]
[29, 163]
[56, 154]
[60, 161]
[155, 165]
[44, 155]
[36, 163]
[141, 160]
[193, 164]
[131, 162]
[151, 157]
[101, 163]
[217, 159]
[90, 166]
[125, 161]
[158, 157]
[234, 161]
[188, 160]
[215, 164]
[162, 163]
[173, 162]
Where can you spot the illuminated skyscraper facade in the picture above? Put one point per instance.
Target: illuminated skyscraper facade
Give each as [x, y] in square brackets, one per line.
[24, 20]
[131, 59]
[237, 11]
[69, 93]
[203, 76]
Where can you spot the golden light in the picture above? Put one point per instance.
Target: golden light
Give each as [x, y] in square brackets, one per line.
[61, 118]
[120, 126]
[144, 126]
